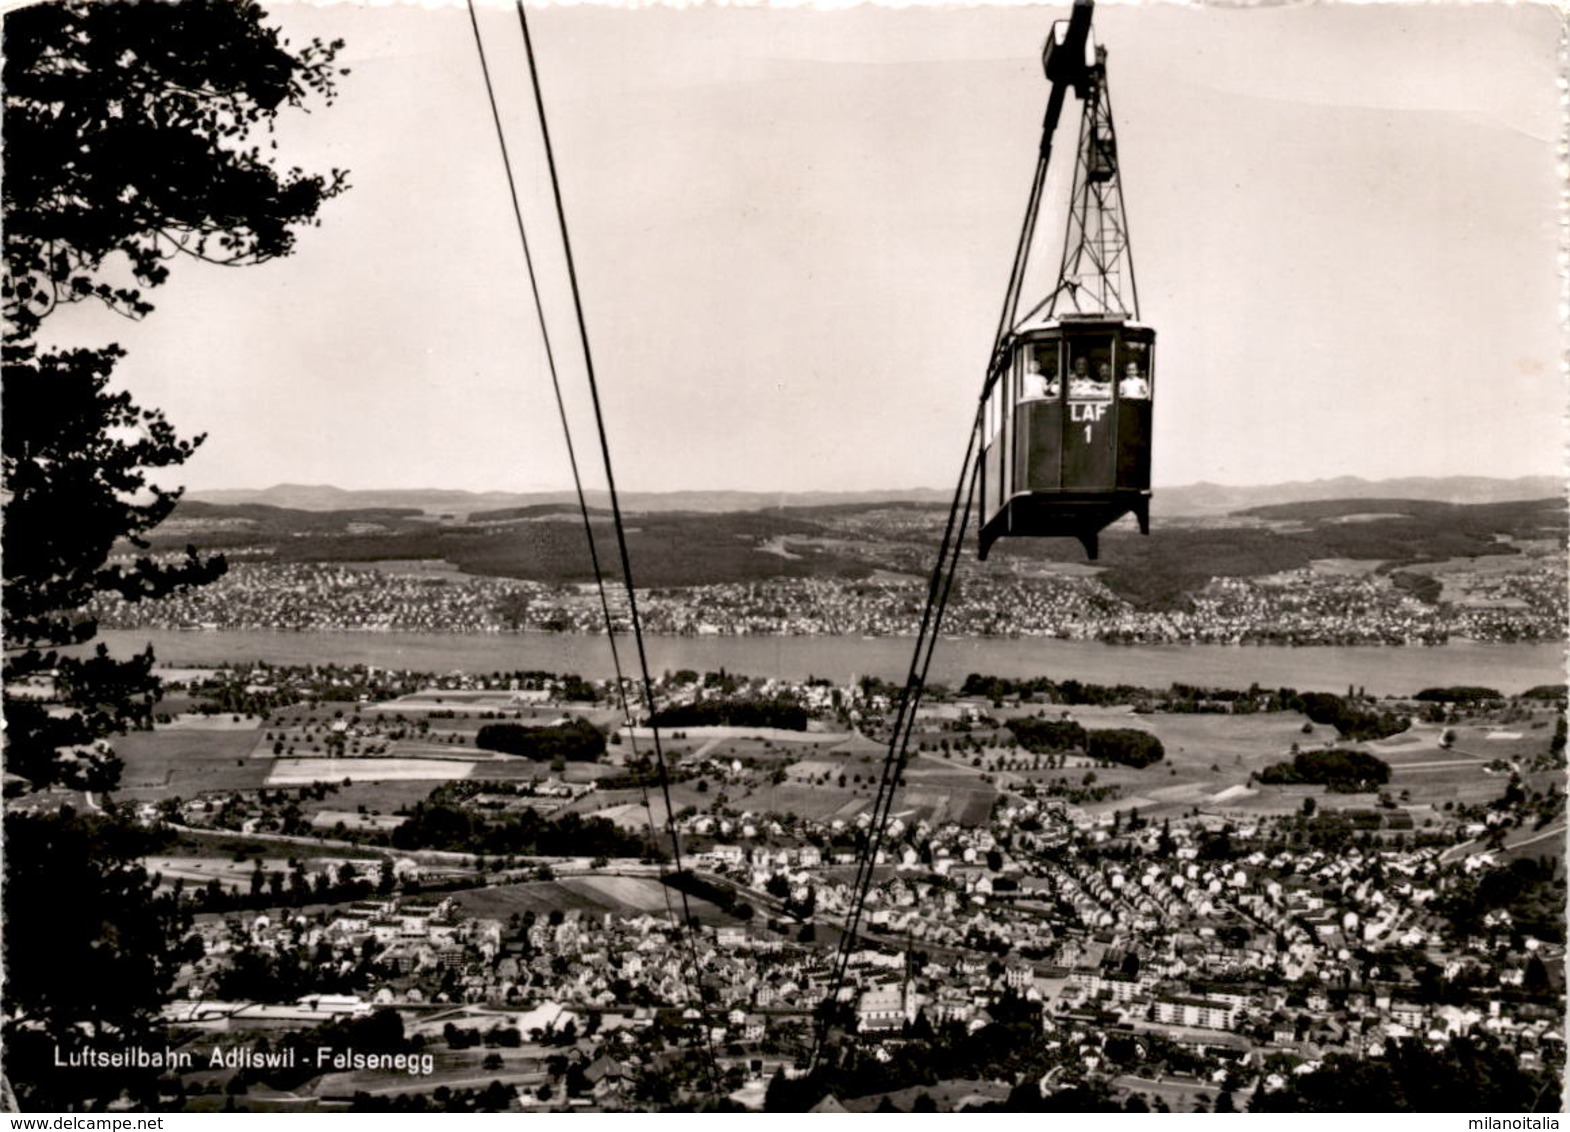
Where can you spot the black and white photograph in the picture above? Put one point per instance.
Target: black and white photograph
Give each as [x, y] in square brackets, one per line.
[770, 558]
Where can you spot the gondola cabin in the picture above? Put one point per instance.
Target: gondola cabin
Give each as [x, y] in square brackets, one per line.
[1066, 431]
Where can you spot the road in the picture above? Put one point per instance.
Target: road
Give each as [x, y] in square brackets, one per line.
[561, 866]
[1554, 833]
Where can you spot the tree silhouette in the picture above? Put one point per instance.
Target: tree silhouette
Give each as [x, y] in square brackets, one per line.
[1471, 1073]
[138, 132]
[135, 135]
[98, 961]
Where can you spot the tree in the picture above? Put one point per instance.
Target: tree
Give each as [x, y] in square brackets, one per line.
[1343, 771]
[1124, 745]
[1471, 1072]
[99, 964]
[1165, 844]
[135, 134]
[132, 136]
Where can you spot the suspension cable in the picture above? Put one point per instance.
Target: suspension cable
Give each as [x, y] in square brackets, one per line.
[939, 587]
[1027, 232]
[561, 410]
[621, 531]
[943, 572]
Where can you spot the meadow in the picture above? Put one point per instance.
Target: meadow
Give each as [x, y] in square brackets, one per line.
[303, 772]
[372, 798]
[197, 872]
[1211, 765]
[185, 761]
[597, 895]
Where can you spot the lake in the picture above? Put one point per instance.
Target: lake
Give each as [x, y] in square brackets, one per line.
[1511, 668]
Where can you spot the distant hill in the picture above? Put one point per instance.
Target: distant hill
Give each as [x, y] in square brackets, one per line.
[325, 497]
[306, 497]
[1220, 499]
[266, 520]
[1198, 499]
[1179, 556]
[850, 542]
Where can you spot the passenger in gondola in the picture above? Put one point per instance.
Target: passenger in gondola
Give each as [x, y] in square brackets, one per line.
[1133, 387]
[1081, 384]
[1035, 385]
[1038, 386]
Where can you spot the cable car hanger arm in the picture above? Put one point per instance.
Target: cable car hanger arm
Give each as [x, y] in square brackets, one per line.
[1063, 60]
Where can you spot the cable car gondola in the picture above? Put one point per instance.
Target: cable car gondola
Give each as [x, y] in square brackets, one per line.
[1060, 443]
[1066, 440]
[1066, 411]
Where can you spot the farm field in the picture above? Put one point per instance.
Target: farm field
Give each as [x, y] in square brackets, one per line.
[425, 764]
[574, 772]
[632, 815]
[303, 772]
[503, 900]
[625, 807]
[234, 846]
[1432, 774]
[966, 807]
[376, 797]
[763, 734]
[543, 897]
[182, 763]
[424, 748]
[1524, 738]
[1208, 763]
[353, 821]
[488, 707]
[598, 800]
[510, 768]
[747, 749]
[627, 894]
[814, 803]
[1435, 785]
[1209, 759]
[1197, 741]
[441, 699]
[932, 769]
[198, 871]
[197, 721]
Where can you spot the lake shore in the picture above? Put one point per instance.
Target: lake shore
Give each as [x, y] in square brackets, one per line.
[1380, 670]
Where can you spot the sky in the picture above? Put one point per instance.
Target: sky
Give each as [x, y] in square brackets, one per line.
[793, 229]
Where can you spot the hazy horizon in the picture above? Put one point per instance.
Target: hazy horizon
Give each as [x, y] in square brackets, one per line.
[1200, 498]
[793, 228]
[792, 491]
